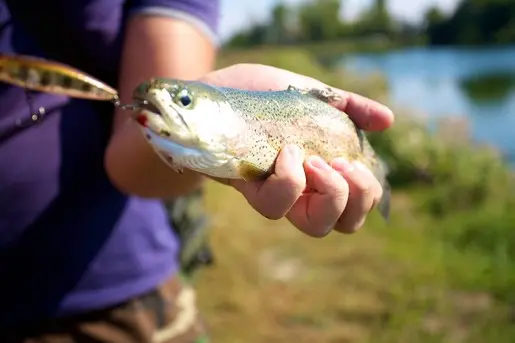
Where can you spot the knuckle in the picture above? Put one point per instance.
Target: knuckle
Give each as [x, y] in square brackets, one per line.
[349, 226]
[350, 229]
[271, 213]
[318, 232]
[365, 189]
[380, 190]
[295, 183]
[378, 196]
[270, 209]
[292, 179]
[337, 186]
[341, 185]
[365, 184]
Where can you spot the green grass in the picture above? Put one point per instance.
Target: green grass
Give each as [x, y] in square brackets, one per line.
[326, 50]
[442, 269]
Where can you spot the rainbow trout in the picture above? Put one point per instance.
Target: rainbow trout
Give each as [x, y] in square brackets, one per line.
[237, 134]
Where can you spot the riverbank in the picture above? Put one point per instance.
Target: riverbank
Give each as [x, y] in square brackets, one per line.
[442, 269]
[325, 50]
[474, 85]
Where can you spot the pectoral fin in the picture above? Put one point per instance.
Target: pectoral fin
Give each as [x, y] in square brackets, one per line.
[250, 172]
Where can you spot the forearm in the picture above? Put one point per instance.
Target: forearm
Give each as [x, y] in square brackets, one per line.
[162, 47]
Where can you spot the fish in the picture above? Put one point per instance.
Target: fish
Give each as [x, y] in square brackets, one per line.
[237, 134]
[38, 74]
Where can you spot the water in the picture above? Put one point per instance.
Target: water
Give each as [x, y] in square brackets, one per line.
[477, 83]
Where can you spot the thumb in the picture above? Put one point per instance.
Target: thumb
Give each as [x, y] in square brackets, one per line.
[275, 196]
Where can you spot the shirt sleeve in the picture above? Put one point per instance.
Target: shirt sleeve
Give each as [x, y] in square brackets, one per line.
[203, 14]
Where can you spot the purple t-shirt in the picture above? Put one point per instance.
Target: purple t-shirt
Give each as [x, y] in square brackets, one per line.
[69, 241]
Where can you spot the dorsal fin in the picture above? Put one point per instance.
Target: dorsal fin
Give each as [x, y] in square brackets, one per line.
[326, 94]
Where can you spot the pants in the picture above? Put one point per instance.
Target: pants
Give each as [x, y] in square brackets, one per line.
[167, 314]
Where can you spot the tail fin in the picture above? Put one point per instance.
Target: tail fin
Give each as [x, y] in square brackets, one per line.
[384, 203]
[380, 171]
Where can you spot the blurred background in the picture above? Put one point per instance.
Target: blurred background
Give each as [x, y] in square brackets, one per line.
[443, 268]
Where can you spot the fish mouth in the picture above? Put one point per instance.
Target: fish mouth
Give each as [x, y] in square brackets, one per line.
[142, 103]
[147, 115]
[155, 111]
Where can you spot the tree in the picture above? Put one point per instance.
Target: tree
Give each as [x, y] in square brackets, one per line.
[319, 20]
[474, 22]
[376, 20]
[280, 28]
[433, 16]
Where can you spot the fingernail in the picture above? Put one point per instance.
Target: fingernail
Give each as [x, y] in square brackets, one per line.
[342, 165]
[359, 165]
[318, 163]
[294, 153]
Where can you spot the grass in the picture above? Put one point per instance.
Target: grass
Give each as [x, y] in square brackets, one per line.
[442, 269]
[324, 50]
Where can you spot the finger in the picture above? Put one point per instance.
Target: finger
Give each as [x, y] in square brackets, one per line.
[363, 192]
[274, 197]
[368, 114]
[316, 213]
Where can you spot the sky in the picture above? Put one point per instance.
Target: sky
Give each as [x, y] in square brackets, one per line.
[237, 14]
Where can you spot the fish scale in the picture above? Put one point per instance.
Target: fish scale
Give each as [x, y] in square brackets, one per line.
[291, 117]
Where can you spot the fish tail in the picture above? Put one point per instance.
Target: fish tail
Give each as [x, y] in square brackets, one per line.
[384, 204]
[380, 170]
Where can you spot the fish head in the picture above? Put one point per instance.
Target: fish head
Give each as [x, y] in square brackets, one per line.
[190, 115]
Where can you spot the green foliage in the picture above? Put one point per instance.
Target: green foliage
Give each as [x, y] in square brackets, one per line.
[468, 193]
[474, 22]
[495, 86]
[314, 21]
[376, 20]
[253, 36]
[319, 20]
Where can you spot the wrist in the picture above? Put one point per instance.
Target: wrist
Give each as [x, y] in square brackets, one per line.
[135, 168]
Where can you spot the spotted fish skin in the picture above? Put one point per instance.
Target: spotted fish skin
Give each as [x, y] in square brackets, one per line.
[232, 133]
[292, 116]
[48, 76]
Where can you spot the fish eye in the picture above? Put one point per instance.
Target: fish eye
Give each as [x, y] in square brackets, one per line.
[184, 98]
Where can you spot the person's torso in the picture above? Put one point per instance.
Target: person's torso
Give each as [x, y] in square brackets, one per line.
[69, 241]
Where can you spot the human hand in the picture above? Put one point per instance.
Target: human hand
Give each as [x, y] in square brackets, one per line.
[341, 194]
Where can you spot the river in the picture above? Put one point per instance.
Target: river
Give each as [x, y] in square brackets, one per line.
[478, 83]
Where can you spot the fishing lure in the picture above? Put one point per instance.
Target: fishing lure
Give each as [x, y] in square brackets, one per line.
[38, 74]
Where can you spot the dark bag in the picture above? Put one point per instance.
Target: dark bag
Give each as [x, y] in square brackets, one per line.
[189, 220]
